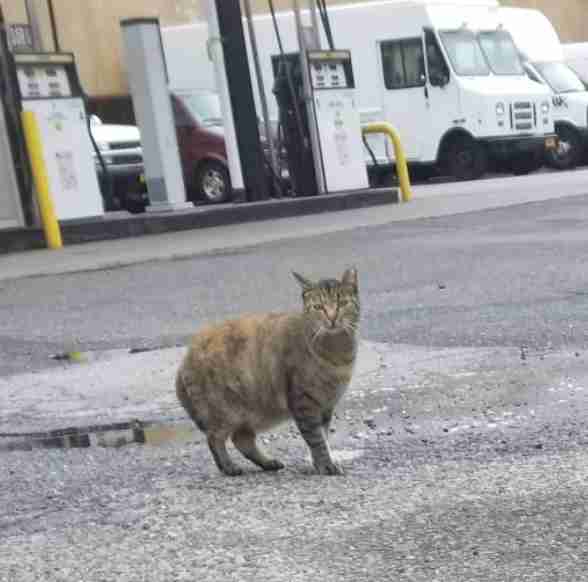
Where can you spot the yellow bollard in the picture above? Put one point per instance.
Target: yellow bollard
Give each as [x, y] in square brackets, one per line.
[401, 166]
[35, 148]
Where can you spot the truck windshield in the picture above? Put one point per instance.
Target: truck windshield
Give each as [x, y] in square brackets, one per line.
[501, 53]
[205, 107]
[465, 53]
[560, 77]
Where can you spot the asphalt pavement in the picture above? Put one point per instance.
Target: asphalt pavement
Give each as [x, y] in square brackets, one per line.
[463, 437]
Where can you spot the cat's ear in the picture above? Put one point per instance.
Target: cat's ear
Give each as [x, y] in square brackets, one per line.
[350, 278]
[303, 281]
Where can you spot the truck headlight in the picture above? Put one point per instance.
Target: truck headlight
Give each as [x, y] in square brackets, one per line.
[500, 109]
[103, 146]
[545, 107]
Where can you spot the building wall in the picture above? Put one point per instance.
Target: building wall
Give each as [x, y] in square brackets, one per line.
[91, 28]
[569, 17]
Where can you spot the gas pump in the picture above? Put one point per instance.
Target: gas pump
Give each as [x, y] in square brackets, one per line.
[48, 85]
[337, 120]
[335, 116]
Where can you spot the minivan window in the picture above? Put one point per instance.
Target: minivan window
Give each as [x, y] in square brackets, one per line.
[464, 53]
[501, 53]
[403, 63]
[205, 107]
[560, 77]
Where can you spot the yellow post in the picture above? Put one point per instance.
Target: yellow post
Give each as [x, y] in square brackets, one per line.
[401, 166]
[35, 149]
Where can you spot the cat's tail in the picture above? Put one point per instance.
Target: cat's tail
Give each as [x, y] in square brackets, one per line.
[186, 402]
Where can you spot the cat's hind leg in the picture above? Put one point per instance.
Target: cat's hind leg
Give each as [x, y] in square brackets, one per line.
[244, 439]
[217, 443]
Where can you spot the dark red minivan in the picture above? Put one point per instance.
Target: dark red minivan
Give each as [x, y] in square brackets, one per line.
[201, 141]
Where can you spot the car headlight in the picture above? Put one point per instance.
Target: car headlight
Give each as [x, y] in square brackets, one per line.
[500, 109]
[545, 107]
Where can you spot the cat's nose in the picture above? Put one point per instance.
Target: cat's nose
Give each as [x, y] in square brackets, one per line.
[331, 316]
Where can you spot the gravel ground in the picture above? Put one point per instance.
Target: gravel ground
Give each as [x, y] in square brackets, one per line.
[460, 465]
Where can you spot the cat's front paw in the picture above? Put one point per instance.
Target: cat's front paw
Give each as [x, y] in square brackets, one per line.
[273, 465]
[232, 471]
[330, 468]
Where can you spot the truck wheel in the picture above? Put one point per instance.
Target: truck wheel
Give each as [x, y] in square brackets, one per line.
[524, 164]
[466, 159]
[569, 150]
[213, 183]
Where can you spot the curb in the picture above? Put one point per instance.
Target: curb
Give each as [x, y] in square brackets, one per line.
[122, 225]
[112, 435]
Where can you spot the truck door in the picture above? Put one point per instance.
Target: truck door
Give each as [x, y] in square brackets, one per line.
[406, 103]
[441, 94]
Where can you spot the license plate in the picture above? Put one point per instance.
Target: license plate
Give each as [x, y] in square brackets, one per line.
[551, 143]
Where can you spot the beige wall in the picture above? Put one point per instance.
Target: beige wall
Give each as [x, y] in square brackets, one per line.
[91, 28]
[14, 10]
[570, 17]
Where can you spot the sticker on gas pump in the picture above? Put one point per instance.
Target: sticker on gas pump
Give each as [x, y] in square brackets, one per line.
[66, 169]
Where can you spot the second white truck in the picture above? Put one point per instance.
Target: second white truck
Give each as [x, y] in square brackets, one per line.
[544, 60]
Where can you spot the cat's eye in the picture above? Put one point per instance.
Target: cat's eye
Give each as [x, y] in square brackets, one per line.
[316, 306]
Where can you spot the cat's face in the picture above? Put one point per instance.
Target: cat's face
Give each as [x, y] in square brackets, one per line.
[333, 305]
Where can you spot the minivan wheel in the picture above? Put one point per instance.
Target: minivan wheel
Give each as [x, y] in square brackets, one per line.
[466, 159]
[213, 183]
[569, 149]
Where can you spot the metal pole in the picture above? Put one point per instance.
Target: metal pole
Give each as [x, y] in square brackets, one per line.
[54, 31]
[49, 220]
[216, 53]
[315, 24]
[34, 22]
[314, 135]
[260, 85]
[236, 66]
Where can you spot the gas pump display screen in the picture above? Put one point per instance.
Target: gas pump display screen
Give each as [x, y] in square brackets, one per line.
[328, 75]
[43, 81]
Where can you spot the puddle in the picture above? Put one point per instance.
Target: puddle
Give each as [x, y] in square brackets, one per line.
[80, 357]
[111, 436]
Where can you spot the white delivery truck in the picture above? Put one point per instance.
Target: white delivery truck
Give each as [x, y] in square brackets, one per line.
[543, 58]
[443, 72]
[576, 56]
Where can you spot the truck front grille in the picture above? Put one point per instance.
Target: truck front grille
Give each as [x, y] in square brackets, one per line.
[523, 116]
[120, 160]
[124, 145]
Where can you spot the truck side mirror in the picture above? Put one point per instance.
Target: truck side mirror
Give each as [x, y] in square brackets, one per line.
[438, 79]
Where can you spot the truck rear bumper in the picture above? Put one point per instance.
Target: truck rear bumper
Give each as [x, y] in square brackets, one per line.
[505, 147]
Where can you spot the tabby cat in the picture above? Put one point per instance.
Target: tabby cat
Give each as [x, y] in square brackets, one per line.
[249, 374]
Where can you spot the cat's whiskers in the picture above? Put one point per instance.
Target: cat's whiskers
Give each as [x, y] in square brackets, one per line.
[316, 336]
[349, 325]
